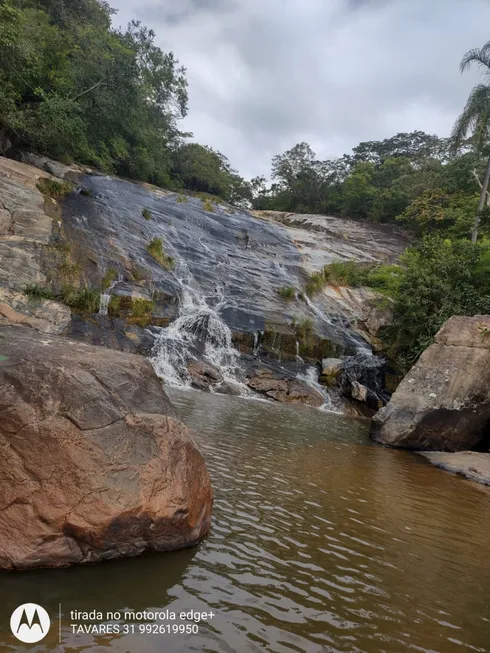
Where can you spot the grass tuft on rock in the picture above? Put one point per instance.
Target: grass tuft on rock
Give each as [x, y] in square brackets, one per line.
[155, 249]
[146, 213]
[53, 188]
[38, 292]
[86, 299]
[287, 293]
[109, 277]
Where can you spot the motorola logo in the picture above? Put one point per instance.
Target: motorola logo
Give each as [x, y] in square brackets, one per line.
[30, 623]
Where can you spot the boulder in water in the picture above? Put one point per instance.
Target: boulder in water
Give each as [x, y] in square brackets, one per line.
[443, 403]
[95, 464]
[203, 375]
[281, 387]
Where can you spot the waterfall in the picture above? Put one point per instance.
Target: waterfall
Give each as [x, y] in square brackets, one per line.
[310, 377]
[197, 333]
[105, 297]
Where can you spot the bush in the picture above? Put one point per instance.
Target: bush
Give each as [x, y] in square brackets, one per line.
[287, 293]
[146, 213]
[53, 188]
[439, 279]
[155, 248]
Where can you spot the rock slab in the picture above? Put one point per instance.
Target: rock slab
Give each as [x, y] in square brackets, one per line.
[473, 465]
[94, 463]
[444, 401]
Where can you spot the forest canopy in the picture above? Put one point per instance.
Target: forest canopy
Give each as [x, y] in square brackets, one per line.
[74, 88]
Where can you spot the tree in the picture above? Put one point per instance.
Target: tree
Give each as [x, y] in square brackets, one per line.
[475, 118]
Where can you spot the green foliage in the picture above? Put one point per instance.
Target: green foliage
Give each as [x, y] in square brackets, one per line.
[68, 271]
[287, 293]
[141, 311]
[304, 330]
[155, 248]
[109, 277]
[348, 273]
[86, 299]
[114, 307]
[315, 283]
[439, 278]
[53, 188]
[146, 213]
[38, 292]
[207, 205]
[86, 192]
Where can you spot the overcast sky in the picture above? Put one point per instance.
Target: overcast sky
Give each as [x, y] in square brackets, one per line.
[266, 74]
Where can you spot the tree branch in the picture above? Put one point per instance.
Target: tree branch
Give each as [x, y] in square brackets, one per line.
[88, 90]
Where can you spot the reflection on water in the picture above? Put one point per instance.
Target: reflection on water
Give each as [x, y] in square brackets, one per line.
[321, 541]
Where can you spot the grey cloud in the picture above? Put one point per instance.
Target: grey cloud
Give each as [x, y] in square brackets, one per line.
[266, 74]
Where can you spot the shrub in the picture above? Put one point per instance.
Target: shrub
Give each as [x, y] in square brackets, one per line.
[182, 199]
[155, 248]
[53, 188]
[86, 192]
[146, 213]
[439, 278]
[287, 293]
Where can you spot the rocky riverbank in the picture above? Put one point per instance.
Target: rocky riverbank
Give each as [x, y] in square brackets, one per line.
[91, 247]
[94, 457]
[443, 403]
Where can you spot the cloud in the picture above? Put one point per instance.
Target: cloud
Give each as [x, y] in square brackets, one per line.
[264, 75]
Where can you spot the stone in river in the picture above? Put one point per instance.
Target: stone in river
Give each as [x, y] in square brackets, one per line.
[94, 463]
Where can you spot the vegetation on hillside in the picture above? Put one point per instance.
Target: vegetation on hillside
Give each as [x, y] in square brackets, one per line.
[74, 88]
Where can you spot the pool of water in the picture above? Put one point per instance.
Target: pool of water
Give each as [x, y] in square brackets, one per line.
[321, 541]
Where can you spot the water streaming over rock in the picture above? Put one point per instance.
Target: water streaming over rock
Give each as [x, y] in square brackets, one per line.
[105, 297]
[198, 333]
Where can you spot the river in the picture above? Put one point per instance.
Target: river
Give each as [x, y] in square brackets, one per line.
[321, 541]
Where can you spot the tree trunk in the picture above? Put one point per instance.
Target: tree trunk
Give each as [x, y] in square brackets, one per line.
[481, 203]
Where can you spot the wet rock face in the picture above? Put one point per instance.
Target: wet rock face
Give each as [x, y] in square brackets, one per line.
[278, 385]
[443, 403]
[93, 456]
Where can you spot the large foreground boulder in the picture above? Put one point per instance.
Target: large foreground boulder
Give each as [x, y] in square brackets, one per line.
[444, 401]
[94, 463]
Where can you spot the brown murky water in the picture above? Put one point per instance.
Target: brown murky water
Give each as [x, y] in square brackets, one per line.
[321, 541]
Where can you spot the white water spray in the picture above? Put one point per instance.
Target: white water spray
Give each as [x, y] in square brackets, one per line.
[198, 329]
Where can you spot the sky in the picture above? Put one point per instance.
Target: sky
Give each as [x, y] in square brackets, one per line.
[267, 74]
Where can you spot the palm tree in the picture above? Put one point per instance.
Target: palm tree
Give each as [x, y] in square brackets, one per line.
[475, 119]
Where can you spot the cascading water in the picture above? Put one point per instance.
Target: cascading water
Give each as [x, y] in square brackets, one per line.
[105, 297]
[198, 333]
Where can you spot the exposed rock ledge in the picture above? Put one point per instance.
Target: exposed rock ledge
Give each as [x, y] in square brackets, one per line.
[444, 401]
[471, 464]
[94, 463]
